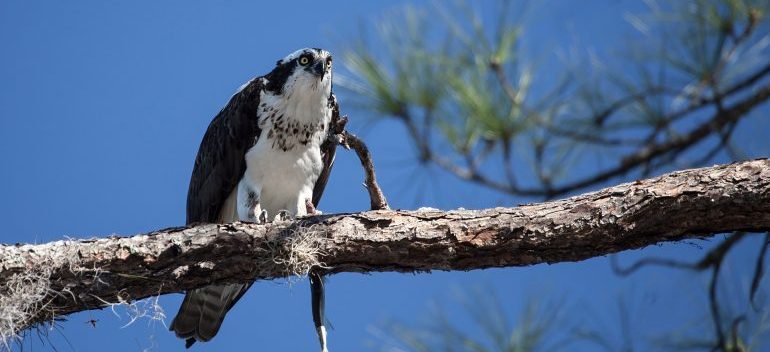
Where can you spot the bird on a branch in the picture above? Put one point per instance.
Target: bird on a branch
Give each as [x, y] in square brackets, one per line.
[267, 155]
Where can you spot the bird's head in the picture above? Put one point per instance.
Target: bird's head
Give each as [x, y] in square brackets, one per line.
[305, 71]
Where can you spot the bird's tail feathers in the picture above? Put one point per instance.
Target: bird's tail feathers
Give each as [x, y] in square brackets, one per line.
[203, 311]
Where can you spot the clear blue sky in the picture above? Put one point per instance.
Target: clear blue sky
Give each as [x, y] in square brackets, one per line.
[103, 105]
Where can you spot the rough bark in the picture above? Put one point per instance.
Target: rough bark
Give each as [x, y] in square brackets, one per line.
[693, 203]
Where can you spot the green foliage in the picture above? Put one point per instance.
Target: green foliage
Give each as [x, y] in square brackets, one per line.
[457, 80]
[451, 81]
[474, 106]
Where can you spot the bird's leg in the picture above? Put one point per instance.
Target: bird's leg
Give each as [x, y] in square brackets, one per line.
[262, 217]
[257, 214]
[248, 204]
[310, 208]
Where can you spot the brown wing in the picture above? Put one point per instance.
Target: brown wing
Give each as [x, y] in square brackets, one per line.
[219, 166]
[221, 162]
[328, 150]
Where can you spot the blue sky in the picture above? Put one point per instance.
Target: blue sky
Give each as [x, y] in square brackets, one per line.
[102, 107]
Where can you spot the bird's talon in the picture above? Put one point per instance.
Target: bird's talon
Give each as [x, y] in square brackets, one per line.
[262, 218]
[282, 215]
[310, 208]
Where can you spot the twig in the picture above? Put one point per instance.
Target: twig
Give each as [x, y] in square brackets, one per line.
[713, 261]
[677, 144]
[377, 198]
[759, 270]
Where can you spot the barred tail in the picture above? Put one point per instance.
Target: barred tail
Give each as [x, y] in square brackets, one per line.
[203, 310]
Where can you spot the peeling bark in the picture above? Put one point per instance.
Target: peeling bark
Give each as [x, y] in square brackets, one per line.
[685, 204]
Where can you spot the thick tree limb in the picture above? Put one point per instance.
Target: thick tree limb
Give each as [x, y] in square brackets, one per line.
[84, 274]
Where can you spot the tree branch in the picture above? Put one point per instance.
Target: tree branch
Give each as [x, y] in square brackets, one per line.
[88, 274]
[646, 154]
[377, 199]
[678, 143]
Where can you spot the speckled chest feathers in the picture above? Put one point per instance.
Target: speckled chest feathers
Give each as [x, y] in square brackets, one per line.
[291, 123]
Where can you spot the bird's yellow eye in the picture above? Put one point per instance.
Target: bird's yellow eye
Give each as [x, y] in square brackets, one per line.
[304, 60]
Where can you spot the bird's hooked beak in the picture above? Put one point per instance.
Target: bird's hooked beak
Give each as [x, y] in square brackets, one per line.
[319, 68]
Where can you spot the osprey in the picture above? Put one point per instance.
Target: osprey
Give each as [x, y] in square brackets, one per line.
[266, 154]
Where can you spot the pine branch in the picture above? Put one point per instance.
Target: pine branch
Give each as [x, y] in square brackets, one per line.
[90, 274]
